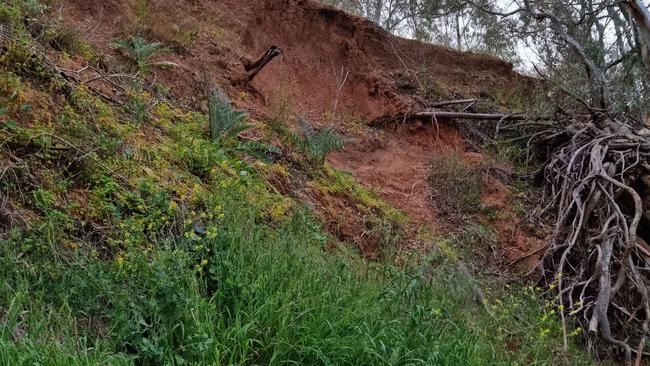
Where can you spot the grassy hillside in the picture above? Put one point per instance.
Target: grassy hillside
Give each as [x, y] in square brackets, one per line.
[128, 235]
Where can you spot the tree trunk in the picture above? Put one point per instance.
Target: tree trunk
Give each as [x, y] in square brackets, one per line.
[641, 16]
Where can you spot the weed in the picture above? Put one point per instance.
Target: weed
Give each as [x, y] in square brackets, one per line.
[138, 106]
[508, 154]
[63, 37]
[491, 213]
[141, 10]
[455, 186]
[339, 182]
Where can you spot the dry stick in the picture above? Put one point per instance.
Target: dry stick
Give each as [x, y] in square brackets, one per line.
[108, 78]
[469, 106]
[571, 243]
[646, 306]
[415, 74]
[599, 319]
[452, 115]
[340, 82]
[435, 120]
[596, 151]
[499, 124]
[529, 254]
[113, 172]
[452, 102]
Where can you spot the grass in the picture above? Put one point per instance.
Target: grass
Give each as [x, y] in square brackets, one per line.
[254, 294]
[141, 241]
[455, 187]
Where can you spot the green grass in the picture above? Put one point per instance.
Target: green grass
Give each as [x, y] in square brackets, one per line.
[255, 294]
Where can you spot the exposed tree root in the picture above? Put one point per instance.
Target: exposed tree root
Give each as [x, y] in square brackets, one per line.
[596, 260]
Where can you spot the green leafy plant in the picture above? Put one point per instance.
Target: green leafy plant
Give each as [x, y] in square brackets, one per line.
[224, 120]
[139, 51]
[317, 144]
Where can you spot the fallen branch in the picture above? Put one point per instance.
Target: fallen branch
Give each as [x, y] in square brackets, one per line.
[466, 115]
[435, 115]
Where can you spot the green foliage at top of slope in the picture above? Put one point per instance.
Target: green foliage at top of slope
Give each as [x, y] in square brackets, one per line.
[128, 236]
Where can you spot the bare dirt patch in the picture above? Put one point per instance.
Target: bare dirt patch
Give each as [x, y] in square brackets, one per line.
[398, 167]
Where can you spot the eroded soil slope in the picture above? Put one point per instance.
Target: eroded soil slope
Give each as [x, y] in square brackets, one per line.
[322, 46]
[212, 38]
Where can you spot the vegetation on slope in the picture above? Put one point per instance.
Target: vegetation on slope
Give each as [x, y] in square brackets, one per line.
[129, 236]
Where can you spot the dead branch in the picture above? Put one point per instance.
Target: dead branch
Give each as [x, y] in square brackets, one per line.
[433, 116]
[341, 78]
[254, 68]
[452, 102]
[466, 115]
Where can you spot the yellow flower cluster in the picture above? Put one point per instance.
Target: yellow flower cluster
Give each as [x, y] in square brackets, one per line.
[201, 264]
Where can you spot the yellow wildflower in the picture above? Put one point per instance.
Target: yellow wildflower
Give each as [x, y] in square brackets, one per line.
[211, 233]
[577, 331]
[544, 332]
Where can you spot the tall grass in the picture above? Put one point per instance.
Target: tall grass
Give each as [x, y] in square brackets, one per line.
[455, 187]
[254, 294]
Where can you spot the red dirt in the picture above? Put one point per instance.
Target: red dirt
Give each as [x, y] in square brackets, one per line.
[398, 167]
[317, 41]
[517, 240]
[386, 75]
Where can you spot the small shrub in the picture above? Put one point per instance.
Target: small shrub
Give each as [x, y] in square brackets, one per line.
[318, 144]
[455, 187]
[223, 119]
[139, 52]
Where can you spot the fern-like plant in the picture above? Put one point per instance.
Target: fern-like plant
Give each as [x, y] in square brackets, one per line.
[139, 51]
[317, 144]
[224, 120]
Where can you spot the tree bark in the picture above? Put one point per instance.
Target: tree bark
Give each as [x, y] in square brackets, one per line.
[595, 72]
[641, 16]
[465, 115]
[254, 68]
